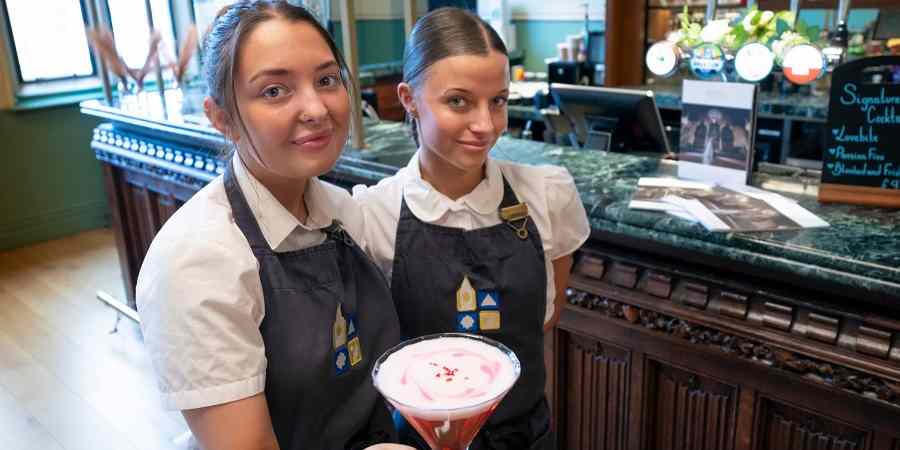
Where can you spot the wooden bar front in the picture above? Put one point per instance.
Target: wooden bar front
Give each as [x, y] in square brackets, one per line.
[657, 348]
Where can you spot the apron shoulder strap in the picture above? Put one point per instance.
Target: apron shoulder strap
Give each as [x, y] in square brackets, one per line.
[243, 215]
[337, 233]
[516, 216]
[509, 196]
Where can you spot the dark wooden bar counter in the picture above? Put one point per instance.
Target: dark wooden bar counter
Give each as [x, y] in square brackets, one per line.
[673, 337]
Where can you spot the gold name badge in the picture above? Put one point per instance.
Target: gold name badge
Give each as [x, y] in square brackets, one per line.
[515, 212]
[512, 214]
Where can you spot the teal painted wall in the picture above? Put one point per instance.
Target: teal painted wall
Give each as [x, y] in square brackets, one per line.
[378, 41]
[857, 19]
[539, 38]
[52, 185]
[382, 40]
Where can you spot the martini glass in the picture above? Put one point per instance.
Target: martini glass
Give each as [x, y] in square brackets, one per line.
[447, 385]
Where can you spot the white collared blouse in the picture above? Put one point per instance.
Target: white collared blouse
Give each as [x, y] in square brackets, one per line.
[553, 203]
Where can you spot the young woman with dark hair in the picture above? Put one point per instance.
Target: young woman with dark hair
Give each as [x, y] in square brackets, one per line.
[474, 244]
[261, 311]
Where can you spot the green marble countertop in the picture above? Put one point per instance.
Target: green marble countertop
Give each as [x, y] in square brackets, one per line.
[859, 252]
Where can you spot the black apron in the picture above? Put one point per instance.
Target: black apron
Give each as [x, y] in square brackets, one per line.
[321, 396]
[508, 274]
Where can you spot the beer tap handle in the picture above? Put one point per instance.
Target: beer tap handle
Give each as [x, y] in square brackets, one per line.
[710, 10]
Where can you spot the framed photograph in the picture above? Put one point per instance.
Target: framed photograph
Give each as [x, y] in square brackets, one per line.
[716, 136]
[718, 130]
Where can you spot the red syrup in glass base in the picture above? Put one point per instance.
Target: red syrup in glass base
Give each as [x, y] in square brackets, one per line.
[450, 434]
[447, 385]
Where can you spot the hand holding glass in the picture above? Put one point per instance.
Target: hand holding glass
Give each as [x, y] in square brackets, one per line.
[447, 385]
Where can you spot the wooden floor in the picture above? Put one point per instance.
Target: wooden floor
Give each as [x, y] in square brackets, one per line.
[66, 382]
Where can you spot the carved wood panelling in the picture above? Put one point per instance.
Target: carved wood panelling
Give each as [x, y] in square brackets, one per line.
[778, 316]
[690, 412]
[597, 394]
[128, 260]
[656, 284]
[719, 299]
[133, 223]
[623, 275]
[691, 294]
[783, 427]
[895, 349]
[194, 180]
[823, 328]
[873, 341]
[731, 304]
[166, 206]
[591, 267]
[140, 206]
[785, 434]
[752, 350]
[147, 215]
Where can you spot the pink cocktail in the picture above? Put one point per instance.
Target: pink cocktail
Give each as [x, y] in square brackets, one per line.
[447, 385]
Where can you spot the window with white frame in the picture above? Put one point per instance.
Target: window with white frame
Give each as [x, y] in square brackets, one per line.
[47, 42]
[40, 55]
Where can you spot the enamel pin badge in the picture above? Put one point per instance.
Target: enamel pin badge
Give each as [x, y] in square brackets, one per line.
[476, 310]
[489, 320]
[351, 325]
[467, 322]
[488, 299]
[340, 329]
[488, 309]
[465, 296]
[354, 348]
[466, 305]
[342, 357]
[341, 361]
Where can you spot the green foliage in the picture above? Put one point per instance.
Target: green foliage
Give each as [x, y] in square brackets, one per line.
[766, 27]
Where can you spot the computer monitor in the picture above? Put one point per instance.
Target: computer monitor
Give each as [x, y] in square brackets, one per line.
[617, 120]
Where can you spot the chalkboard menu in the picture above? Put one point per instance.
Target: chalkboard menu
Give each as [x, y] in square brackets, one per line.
[861, 162]
[888, 25]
